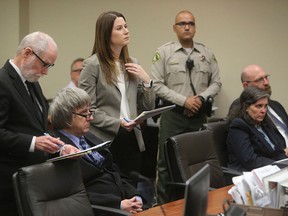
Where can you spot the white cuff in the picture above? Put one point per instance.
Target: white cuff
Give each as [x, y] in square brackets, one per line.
[148, 85]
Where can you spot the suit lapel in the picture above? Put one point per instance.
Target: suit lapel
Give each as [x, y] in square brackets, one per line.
[92, 139]
[41, 101]
[23, 93]
[261, 138]
[279, 112]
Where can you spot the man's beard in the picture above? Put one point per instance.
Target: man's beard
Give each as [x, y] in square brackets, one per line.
[28, 73]
[268, 90]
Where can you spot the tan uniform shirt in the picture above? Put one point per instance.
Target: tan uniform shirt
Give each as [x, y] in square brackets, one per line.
[171, 77]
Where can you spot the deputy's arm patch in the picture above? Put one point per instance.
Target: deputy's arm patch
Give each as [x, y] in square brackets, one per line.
[156, 57]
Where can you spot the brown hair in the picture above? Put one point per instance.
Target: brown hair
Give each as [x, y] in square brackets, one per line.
[102, 48]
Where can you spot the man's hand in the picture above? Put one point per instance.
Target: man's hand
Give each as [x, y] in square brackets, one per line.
[69, 149]
[193, 104]
[131, 205]
[286, 151]
[48, 144]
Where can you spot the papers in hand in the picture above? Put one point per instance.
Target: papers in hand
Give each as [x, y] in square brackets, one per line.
[83, 152]
[147, 114]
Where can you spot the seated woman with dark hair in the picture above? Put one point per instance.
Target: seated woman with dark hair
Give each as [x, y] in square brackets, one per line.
[70, 115]
[253, 141]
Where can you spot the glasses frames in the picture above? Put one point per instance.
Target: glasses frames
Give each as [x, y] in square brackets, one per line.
[184, 24]
[44, 64]
[86, 116]
[259, 80]
[77, 70]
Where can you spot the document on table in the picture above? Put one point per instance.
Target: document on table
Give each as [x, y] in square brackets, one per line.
[83, 152]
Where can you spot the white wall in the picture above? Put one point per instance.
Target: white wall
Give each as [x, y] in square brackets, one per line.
[238, 32]
[9, 23]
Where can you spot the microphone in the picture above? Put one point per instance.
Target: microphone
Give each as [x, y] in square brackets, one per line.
[189, 64]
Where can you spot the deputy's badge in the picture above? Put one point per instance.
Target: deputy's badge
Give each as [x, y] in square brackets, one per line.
[213, 58]
[156, 57]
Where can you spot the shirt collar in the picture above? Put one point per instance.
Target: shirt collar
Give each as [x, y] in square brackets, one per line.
[17, 70]
[72, 137]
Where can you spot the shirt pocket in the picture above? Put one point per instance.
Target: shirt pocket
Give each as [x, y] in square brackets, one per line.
[203, 75]
[176, 74]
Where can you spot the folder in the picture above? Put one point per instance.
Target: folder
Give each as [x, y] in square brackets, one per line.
[147, 114]
[83, 152]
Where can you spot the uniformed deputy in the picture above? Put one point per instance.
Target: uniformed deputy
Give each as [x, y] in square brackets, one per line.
[184, 73]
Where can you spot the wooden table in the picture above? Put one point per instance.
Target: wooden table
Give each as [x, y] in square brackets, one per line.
[175, 208]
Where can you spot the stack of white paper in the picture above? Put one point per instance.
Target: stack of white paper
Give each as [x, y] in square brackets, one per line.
[264, 187]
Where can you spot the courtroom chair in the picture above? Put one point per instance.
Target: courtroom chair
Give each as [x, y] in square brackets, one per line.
[185, 155]
[219, 131]
[54, 189]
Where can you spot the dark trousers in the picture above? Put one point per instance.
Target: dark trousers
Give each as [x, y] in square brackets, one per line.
[171, 124]
[126, 153]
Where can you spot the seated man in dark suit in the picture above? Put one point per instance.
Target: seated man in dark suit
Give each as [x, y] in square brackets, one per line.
[254, 75]
[70, 115]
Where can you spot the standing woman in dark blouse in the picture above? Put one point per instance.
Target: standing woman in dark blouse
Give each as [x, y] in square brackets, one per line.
[253, 141]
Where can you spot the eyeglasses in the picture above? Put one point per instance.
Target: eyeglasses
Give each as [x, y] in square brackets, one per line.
[259, 80]
[44, 64]
[184, 24]
[77, 70]
[86, 116]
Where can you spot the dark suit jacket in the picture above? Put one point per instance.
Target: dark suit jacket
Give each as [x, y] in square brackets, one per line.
[279, 109]
[248, 148]
[18, 124]
[105, 186]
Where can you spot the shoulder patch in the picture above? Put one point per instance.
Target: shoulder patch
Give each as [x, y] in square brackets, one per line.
[156, 57]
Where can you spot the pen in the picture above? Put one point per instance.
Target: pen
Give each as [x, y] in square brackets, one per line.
[60, 146]
[125, 119]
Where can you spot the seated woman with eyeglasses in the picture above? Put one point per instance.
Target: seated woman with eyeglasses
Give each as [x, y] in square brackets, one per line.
[253, 141]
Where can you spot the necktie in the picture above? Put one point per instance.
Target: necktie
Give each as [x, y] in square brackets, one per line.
[94, 156]
[34, 99]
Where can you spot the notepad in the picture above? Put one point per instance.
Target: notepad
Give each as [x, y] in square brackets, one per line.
[83, 152]
[147, 114]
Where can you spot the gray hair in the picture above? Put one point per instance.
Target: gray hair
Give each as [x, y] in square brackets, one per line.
[65, 102]
[38, 41]
[249, 96]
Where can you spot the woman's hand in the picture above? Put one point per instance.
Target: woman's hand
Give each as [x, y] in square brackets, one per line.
[138, 71]
[128, 125]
